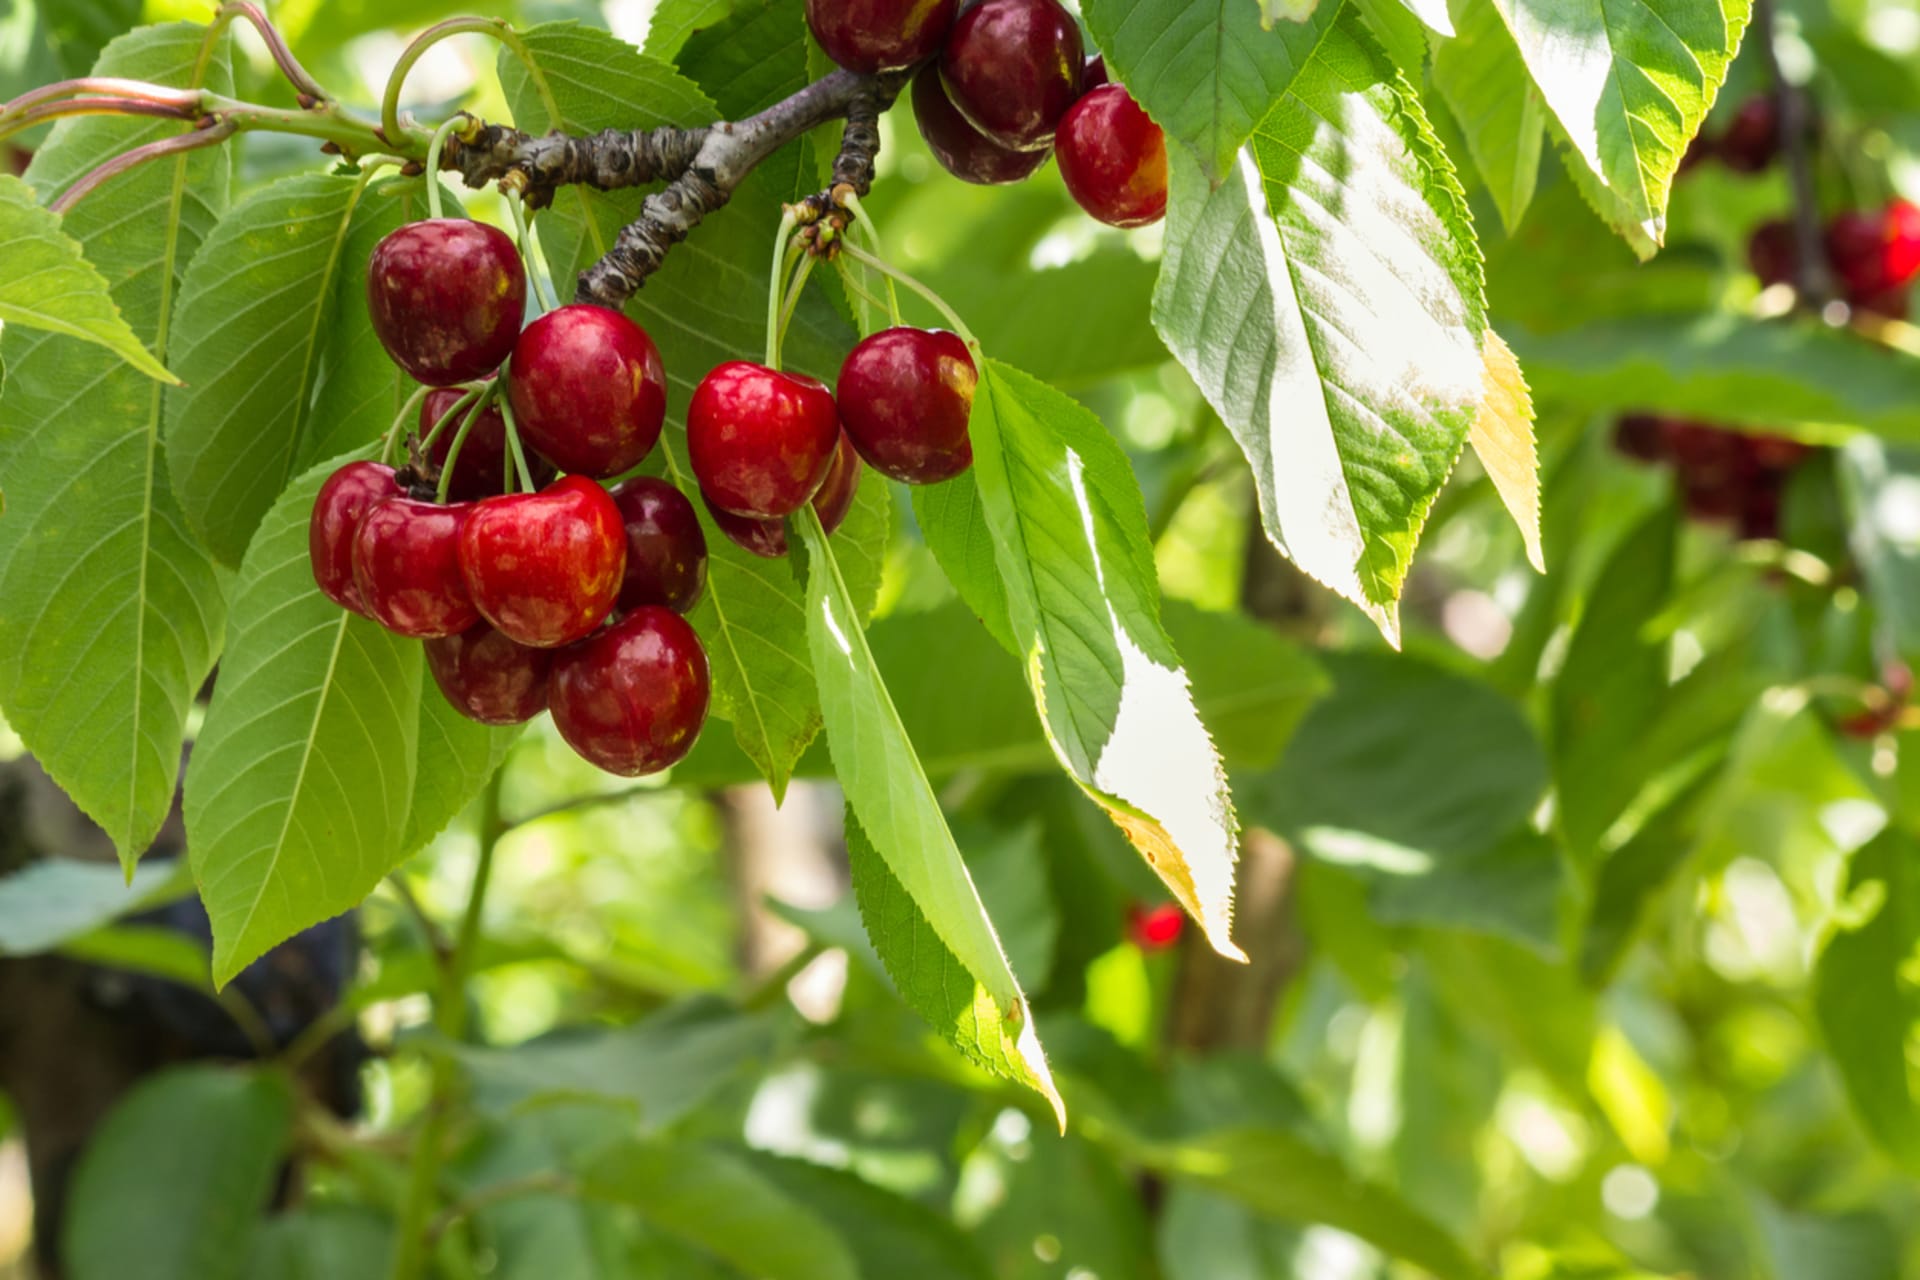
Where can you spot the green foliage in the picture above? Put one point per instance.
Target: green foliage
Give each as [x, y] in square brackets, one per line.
[50, 903]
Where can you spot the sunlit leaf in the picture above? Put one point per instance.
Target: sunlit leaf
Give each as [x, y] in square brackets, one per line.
[1479, 74]
[1502, 439]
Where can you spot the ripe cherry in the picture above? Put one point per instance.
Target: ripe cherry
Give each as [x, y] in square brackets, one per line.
[1094, 74]
[1752, 138]
[878, 35]
[766, 538]
[1013, 67]
[905, 396]
[447, 297]
[1114, 158]
[1642, 437]
[632, 698]
[1155, 928]
[481, 470]
[760, 440]
[544, 568]
[588, 390]
[1900, 232]
[1773, 252]
[342, 503]
[961, 149]
[489, 678]
[832, 503]
[666, 548]
[1856, 247]
[406, 566]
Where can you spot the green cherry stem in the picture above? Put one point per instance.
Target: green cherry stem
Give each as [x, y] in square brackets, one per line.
[477, 407]
[434, 149]
[774, 292]
[864, 221]
[407, 412]
[499, 28]
[935, 300]
[460, 406]
[513, 447]
[537, 269]
[793, 297]
[852, 282]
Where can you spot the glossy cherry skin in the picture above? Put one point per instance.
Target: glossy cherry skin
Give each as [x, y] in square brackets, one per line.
[342, 503]
[406, 565]
[1013, 68]
[760, 440]
[832, 503]
[878, 35]
[905, 395]
[632, 698]
[961, 149]
[447, 297]
[487, 677]
[1094, 74]
[1114, 158]
[666, 548]
[544, 568]
[588, 390]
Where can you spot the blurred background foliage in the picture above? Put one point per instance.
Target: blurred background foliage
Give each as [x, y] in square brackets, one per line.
[1585, 929]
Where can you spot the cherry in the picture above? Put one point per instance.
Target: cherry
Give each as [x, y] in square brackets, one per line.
[632, 698]
[1891, 302]
[879, 35]
[1114, 158]
[343, 501]
[961, 149]
[482, 468]
[588, 390]
[768, 538]
[1155, 928]
[1013, 67]
[905, 395]
[1774, 253]
[489, 678]
[760, 440]
[1856, 247]
[1778, 452]
[1642, 437]
[666, 548]
[1094, 74]
[1752, 138]
[545, 568]
[406, 566]
[1901, 235]
[447, 297]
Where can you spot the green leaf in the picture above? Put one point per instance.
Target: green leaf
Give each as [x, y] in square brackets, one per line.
[1629, 83]
[113, 615]
[1070, 326]
[675, 21]
[1070, 541]
[1327, 300]
[299, 790]
[1479, 74]
[716, 1199]
[45, 904]
[1502, 439]
[173, 1183]
[1878, 484]
[1780, 375]
[1205, 72]
[890, 1236]
[750, 59]
[50, 284]
[146, 948]
[256, 325]
[321, 1242]
[456, 757]
[705, 306]
[1864, 997]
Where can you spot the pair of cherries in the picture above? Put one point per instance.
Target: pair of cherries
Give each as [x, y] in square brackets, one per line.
[763, 442]
[1875, 256]
[1010, 85]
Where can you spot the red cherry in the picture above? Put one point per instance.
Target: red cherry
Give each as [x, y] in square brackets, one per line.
[632, 698]
[588, 390]
[489, 678]
[1752, 138]
[1856, 246]
[760, 441]
[343, 501]
[1759, 517]
[666, 548]
[1094, 74]
[447, 297]
[1642, 437]
[1013, 67]
[832, 503]
[766, 538]
[1114, 158]
[1891, 302]
[878, 35]
[481, 470]
[1774, 253]
[961, 149]
[905, 395]
[545, 568]
[406, 566]
[1778, 453]
[1155, 928]
[1902, 236]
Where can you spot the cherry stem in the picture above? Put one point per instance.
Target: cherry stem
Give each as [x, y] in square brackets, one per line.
[303, 83]
[498, 28]
[103, 86]
[408, 411]
[781, 241]
[853, 285]
[101, 106]
[513, 447]
[935, 300]
[864, 220]
[460, 406]
[793, 296]
[475, 408]
[140, 155]
[538, 271]
[434, 149]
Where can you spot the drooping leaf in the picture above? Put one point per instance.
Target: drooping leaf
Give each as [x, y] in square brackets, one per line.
[113, 615]
[1479, 74]
[1327, 299]
[45, 904]
[300, 785]
[1629, 84]
[1502, 439]
[50, 285]
[173, 1184]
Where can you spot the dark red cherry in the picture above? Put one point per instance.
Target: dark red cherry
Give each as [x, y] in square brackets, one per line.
[1752, 137]
[342, 503]
[877, 35]
[1114, 158]
[489, 678]
[1642, 437]
[544, 568]
[760, 440]
[1773, 252]
[1856, 248]
[631, 699]
[961, 149]
[1094, 74]
[482, 468]
[766, 538]
[588, 390]
[1778, 453]
[1891, 302]
[406, 566]
[447, 297]
[905, 395]
[666, 548]
[832, 503]
[1012, 67]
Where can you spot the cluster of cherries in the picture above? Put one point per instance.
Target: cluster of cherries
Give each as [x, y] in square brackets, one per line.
[1011, 84]
[1726, 476]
